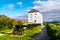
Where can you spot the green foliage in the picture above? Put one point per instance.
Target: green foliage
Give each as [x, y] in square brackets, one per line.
[8, 23]
[53, 31]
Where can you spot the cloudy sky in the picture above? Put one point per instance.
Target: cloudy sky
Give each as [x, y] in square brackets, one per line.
[13, 8]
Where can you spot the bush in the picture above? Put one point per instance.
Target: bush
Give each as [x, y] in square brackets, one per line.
[53, 31]
[8, 23]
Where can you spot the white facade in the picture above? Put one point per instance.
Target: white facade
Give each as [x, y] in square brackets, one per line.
[35, 17]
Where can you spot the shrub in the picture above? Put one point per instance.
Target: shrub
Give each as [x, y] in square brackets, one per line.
[53, 31]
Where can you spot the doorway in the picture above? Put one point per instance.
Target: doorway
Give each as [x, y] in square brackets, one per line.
[34, 20]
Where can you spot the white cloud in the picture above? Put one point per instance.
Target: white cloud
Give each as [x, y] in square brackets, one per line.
[10, 6]
[47, 5]
[36, 2]
[36, 7]
[19, 3]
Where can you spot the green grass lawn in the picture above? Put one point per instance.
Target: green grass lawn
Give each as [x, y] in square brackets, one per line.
[8, 37]
[7, 30]
[26, 23]
[28, 34]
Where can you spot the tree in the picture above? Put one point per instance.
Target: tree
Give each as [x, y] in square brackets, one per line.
[8, 23]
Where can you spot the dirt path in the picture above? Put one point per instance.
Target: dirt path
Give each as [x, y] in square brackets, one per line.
[43, 35]
[2, 34]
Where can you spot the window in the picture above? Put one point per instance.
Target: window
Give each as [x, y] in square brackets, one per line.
[35, 14]
[31, 14]
[31, 17]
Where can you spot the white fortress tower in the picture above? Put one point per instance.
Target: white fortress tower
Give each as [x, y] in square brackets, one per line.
[35, 16]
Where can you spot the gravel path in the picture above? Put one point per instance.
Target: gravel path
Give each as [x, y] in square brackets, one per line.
[43, 35]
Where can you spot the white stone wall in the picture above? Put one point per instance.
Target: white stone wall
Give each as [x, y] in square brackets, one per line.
[35, 16]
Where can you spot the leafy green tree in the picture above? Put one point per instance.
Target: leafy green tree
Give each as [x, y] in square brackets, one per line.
[8, 23]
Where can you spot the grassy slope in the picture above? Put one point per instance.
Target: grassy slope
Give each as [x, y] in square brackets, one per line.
[25, 23]
[28, 35]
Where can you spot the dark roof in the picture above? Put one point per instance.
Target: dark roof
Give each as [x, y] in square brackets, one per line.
[33, 10]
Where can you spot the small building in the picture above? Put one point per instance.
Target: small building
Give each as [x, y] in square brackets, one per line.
[35, 16]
